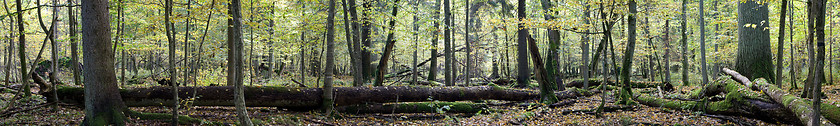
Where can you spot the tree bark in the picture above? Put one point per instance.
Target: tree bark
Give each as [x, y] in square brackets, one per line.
[703, 70]
[328, 97]
[433, 67]
[683, 41]
[235, 63]
[103, 104]
[584, 46]
[781, 45]
[754, 57]
[22, 50]
[522, 47]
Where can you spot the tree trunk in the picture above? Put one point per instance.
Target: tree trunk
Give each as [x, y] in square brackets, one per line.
[703, 72]
[627, 64]
[54, 66]
[389, 47]
[235, 63]
[105, 106]
[328, 97]
[781, 45]
[447, 42]
[173, 74]
[754, 57]
[584, 46]
[797, 105]
[433, 67]
[683, 41]
[818, 10]
[667, 55]
[522, 47]
[22, 50]
[553, 76]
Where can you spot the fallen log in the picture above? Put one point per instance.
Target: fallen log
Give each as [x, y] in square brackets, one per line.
[594, 82]
[414, 107]
[309, 98]
[799, 106]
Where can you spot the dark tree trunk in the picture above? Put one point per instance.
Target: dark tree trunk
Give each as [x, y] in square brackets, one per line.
[781, 45]
[703, 73]
[754, 57]
[522, 48]
[684, 43]
[105, 106]
[433, 67]
[449, 80]
[22, 50]
[389, 47]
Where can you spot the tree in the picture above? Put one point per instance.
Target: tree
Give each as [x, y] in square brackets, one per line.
[817, 10]
[781, 45]
[684, 42]
[816, 74]
[74, 49]
[627, 64]
[467, 41]
[703, 73]
[553, 76]
[328, 77]
[22, 50]
[434, 53]
[389, 47]
[173, 73]
[584, 47]
[235, 63]
[754, 57]
[447, 43]
[522, 47]
[104, 105]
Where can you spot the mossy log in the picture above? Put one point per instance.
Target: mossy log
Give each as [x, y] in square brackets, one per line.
[799, 106]
[593, 82]
[737, 101]
[308, 98]
[414, 107]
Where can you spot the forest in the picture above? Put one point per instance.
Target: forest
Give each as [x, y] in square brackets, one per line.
[419, 62]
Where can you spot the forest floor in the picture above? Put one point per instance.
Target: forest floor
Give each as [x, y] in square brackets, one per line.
[508, 114]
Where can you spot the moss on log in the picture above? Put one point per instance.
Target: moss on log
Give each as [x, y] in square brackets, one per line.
[414, 107]
[734, 104]
[799, 106]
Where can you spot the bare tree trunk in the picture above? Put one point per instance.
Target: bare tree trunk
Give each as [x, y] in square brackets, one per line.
[22, 50]
[328, 96]
[703, 70]
[235, 63]
[781, 45]
[173, 74]
[106, 106]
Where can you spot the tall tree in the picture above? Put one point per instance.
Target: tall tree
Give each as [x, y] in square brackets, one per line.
[433, 52]
[467, 41]
[173, 73]
[328, 76]
[684, 42]
[447, 43]
[103, 104]
[522, 47]
[627, 64]
[754, 57]
[22, 50]
[667, 55]
[781, 45]
[389, 47]
[553, 75]
[815, 73]
[74, 49]
[584, 47]
[817, 9]
[235, 63]
[703, 72]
